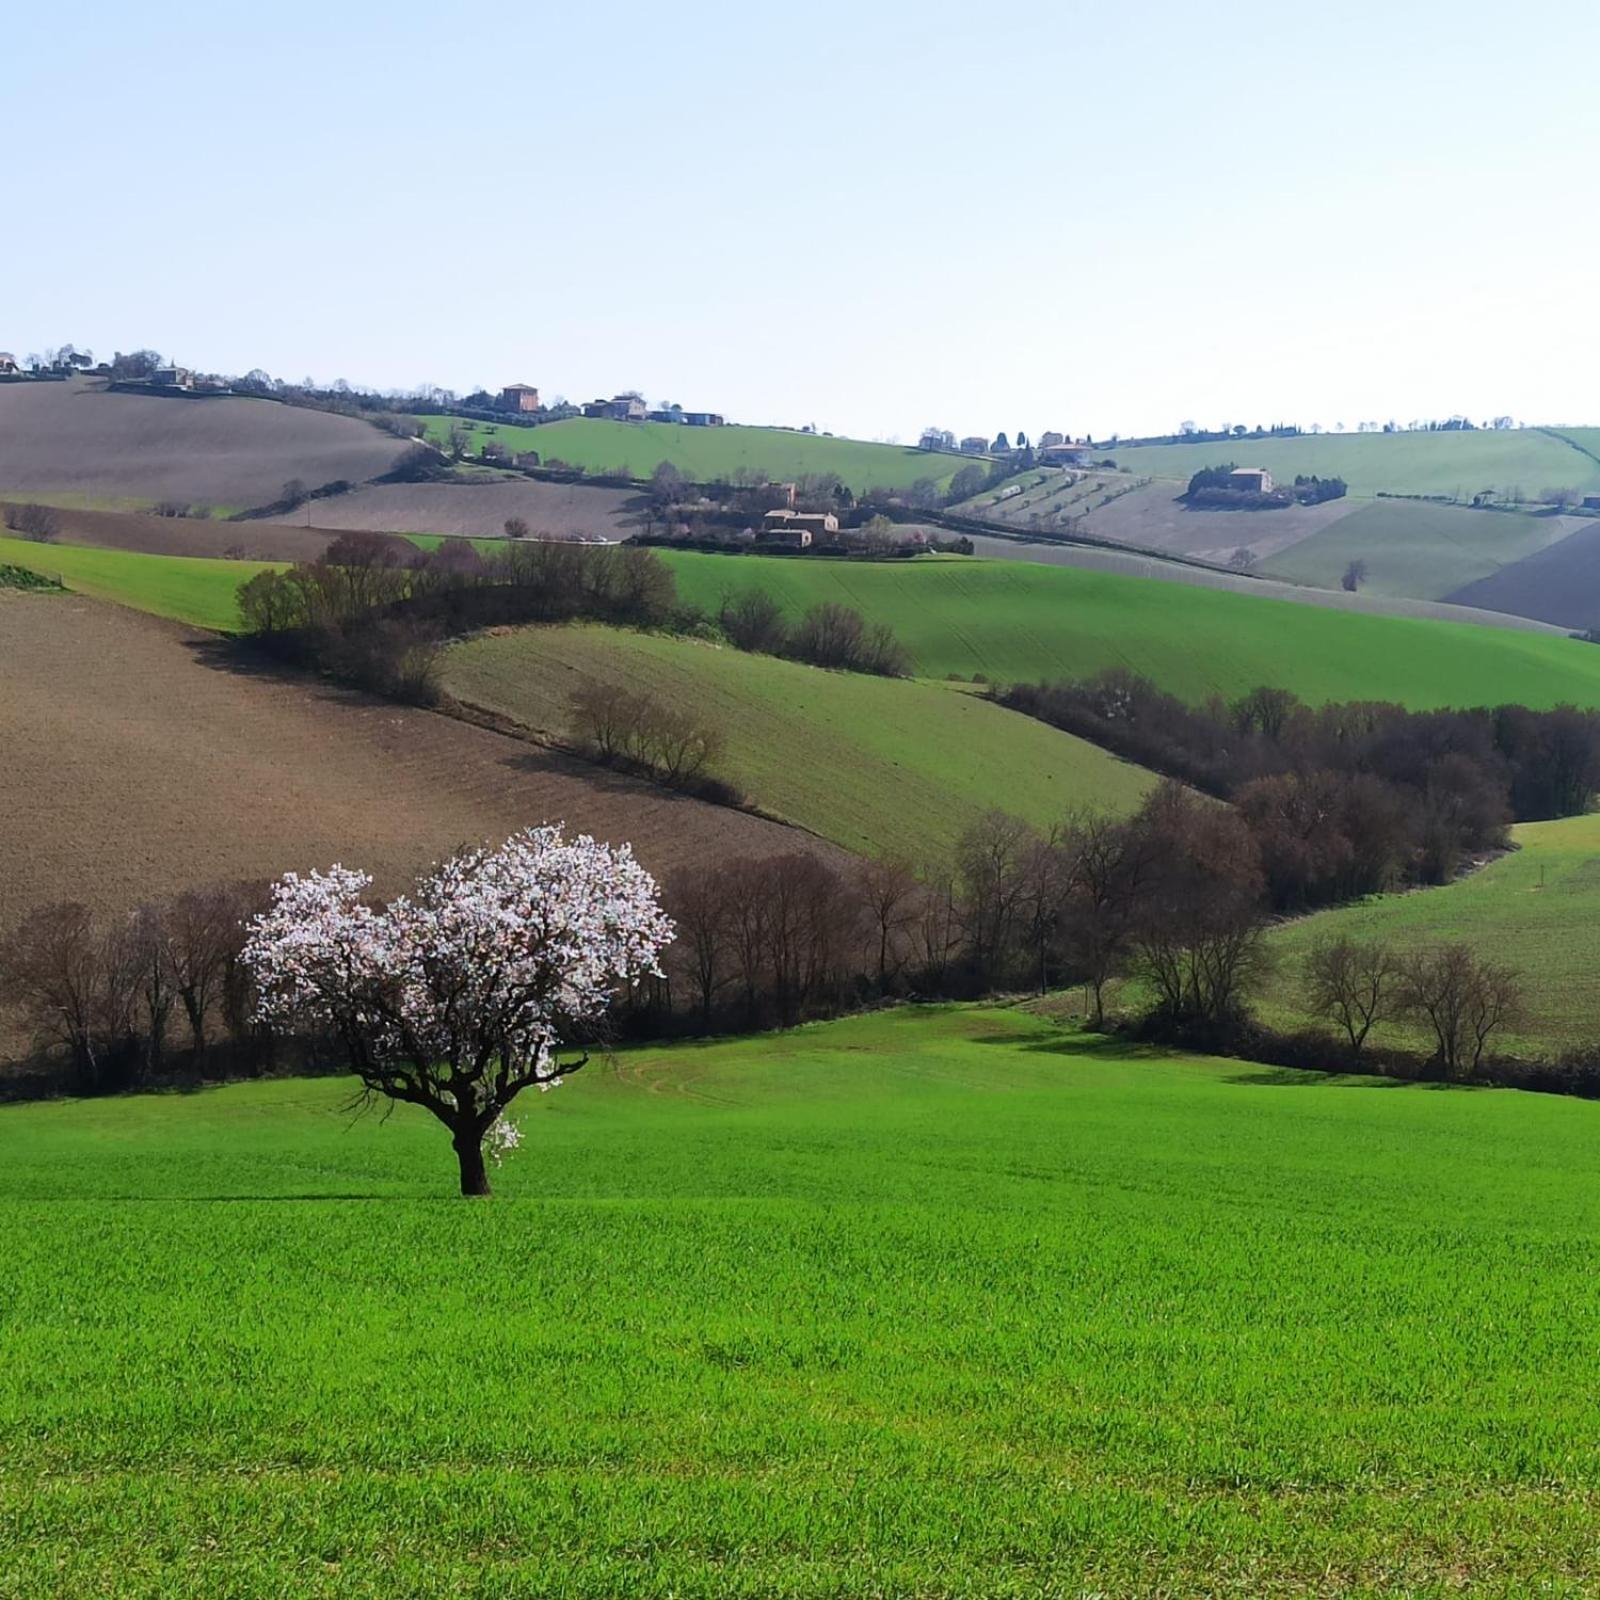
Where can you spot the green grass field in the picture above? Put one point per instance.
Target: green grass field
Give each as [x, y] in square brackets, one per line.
[1411, 548]
[710, 455]
[196, 589]
[1457, 464]
[1013, 620]
[942, 1303]
[1537, 910]
[888, 767]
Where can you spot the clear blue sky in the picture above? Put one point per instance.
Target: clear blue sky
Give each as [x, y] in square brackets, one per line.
[871, 216]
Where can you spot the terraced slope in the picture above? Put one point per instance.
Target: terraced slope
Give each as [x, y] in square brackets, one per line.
[87, 446]
[880, 766]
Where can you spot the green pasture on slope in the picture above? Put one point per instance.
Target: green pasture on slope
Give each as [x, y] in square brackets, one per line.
[709, 455]
[1017, 621]
[1013, 621]
[202, 590]
[879, 765]
[1457, 464]
[1410, 548]
[1537, 910]
[935, 1303]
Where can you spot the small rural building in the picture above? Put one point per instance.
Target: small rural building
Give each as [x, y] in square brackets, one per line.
[519, 397]
[813, 524]
[622, 408]
[1253, 480]
[973, 445]
[704, 419]
[8, 362]
[173, 377]
[1062, 454]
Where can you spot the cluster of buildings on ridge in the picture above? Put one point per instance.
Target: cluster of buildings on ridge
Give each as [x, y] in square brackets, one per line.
[523, 400]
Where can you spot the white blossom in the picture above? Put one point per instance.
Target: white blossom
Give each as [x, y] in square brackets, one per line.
[458, 996]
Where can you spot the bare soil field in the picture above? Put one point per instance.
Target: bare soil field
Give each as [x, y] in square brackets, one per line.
[190, 536]
[480, 510]
[138, 762]
[80, 439]
[1155, 518]
[1560, 584]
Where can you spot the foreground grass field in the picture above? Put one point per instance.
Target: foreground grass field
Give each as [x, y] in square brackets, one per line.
[944, 1303]
[1457, 464]
[878, 765]
[1013, 620]
[710, 455]
[1537, 910]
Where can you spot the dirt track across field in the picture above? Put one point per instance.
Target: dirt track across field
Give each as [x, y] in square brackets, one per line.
[81, 438]
[139, 759]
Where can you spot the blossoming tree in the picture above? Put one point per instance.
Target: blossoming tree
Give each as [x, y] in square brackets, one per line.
[456, 998]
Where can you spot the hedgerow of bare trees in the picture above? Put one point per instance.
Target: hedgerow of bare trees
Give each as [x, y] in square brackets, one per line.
[104, 994]
[32, 521]
[637, 732]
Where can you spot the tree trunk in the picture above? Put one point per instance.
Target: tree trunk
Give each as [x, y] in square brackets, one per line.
[469, 1152]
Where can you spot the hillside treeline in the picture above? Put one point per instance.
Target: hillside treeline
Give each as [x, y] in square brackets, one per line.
[1176, 897]
[1343, 800]
[374, 611]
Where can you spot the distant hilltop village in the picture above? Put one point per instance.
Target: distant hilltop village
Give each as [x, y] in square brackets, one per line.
[523, 399]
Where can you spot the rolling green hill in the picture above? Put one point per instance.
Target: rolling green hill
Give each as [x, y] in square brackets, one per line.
[1415, 549]
[200, 590]
[1458, 464]
[1537, 910]
[1015, 621]
[709, 455]
[880, 766]
[933, 1302]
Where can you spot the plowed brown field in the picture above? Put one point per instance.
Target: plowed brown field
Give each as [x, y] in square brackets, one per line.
[479, 510]
[81, 439]
[137, 762]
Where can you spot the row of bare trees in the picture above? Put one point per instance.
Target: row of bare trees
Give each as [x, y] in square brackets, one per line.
[1461, 999]
[1174, 893]
[112, 997]
[638, 732]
